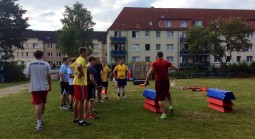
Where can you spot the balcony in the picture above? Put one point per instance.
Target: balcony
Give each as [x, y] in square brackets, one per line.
[118, 53]
[204, 65]
[118, 39]
[182, 38]
[186, 52]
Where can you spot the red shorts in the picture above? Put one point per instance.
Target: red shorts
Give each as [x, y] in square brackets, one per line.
[39, 97]
[162, 90]
[80, 92]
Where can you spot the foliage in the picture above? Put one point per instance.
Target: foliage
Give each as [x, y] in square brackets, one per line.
[179, 75]
[12, 26]
[69, 37]
[78, 20]
[12, 71]
[221, 38]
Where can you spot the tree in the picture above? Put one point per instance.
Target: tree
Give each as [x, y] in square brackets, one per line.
[12, 26]
[221, 38]
[78, 19]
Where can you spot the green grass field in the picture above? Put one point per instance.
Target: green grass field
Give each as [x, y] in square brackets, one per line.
[126, 119]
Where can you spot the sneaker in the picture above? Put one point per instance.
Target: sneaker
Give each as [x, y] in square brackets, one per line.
[76, 120]
[100, 101]
[118, 97]
[171, 110]
[96, 112]
[39, 127]
[83, 123]
[163, 116]
[64, 107]
[124, 97]
[93, 117]
[86, 115]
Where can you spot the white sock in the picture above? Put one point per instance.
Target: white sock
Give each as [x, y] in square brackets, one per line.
[39, 122]
[170, 107]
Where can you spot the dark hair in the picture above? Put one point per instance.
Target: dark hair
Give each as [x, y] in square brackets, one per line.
[73, 59]
[81, 50]
[64, 59]
[160, 54]
[38, 54]
[91, 58]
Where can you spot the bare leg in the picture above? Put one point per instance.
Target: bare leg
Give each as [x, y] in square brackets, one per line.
[75, 110]
[162, 106]
[80, 109]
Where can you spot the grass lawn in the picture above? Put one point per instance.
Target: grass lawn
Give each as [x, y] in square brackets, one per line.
[128, 119]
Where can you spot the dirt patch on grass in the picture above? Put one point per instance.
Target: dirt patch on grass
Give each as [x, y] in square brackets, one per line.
[13, 89]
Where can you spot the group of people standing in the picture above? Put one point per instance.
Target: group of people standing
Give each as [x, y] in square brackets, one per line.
[81, 79]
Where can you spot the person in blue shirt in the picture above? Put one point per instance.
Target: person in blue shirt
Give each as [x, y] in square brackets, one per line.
[63, 74]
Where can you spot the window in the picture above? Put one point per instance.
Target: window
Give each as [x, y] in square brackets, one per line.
[27, 54]
[135, 34]
[135, 58]
[250, 48]
[170, 58]
[58, 54]
[49, 54]
[35, 45]
[117, 33]
[238, 59]
[158, 47]
[96, 46]
[183, 24]
[17, 54]
[49, 45]
[59, 63]
[170, 34]
[26, 44]
[147, 59]
[157, 34]
[135, 47]
[216, 60]
[199, 23]
[50, 62]
[22, 54]
[147, 34]
[249, 58]
[228, 58]
[169, 47]
[167, 23]
[147, 47]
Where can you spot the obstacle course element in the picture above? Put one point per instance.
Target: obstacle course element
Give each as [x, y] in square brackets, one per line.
[150, 101]
[220, 100]
[138, 82]
[196, 88]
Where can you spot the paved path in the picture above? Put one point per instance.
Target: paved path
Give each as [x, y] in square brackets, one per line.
[13, 89]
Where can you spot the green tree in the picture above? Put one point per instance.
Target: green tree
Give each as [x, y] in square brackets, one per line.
[12, 26]
[76, 19]
[221, 38]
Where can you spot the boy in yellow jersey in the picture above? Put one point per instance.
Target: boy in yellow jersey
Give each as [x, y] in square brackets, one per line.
[106, 71]
[120, 73]
[80, 86]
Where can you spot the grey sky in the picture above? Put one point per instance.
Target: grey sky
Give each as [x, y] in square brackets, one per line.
[46, 14]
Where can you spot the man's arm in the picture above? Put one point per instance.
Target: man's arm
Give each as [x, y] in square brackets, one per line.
[92, 79]
[62, 77]
[148, 75]
[175, 68]
[79, 67]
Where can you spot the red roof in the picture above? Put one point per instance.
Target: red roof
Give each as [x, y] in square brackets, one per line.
[132, 18]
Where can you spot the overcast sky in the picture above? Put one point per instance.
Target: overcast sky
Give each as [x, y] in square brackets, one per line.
[46, 14]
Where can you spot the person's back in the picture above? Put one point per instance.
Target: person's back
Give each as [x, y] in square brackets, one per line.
[161, 69]
[38, 71]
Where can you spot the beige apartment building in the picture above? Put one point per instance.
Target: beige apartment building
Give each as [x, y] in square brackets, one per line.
[138, 34]
[46, 41]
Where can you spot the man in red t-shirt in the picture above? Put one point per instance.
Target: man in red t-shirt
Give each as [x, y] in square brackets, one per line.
[162, 85]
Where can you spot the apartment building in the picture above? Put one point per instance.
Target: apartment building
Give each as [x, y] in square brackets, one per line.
[46, 41]
[138, 33]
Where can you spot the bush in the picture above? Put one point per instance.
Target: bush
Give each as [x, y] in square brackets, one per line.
[12, 71]
[179, 75]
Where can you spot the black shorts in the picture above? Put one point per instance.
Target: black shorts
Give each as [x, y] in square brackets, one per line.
[105, 84]
[64, 88]
[91, 92]
[122, 82]
[71, 90]
[99, 84]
